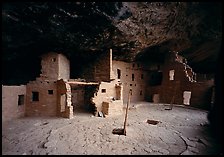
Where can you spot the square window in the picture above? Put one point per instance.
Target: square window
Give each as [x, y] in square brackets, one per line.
[20, 100]
[50, 92]
[103, 90]
[35, 96]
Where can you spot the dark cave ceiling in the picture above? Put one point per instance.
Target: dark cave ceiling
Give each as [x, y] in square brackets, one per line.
[82, 30]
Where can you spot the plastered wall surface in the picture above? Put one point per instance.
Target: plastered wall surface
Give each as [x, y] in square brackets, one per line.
[55, 66]
[10, 107]
[184, 79]
[133, 77]
[50, 66]
[105, 93]
[64, 67]
[47, 104]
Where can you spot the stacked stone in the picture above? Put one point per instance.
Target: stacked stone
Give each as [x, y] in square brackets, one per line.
[69, 107]
[112, 108]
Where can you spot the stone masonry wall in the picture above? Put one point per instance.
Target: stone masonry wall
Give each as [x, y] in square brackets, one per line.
[10, 98]
[50, 66]
[106, 92]
[138, 85]
[184, 79]
[64, 100]
[55, 66]
[112, 108]
[47, 104]
[64, 67]
[100, 70]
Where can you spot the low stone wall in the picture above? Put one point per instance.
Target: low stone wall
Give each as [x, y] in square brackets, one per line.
[11, 107]
[112, 108]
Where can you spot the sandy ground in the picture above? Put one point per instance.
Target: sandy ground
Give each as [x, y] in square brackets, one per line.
[179, 131]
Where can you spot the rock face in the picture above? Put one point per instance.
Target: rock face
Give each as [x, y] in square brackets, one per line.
[134, 30]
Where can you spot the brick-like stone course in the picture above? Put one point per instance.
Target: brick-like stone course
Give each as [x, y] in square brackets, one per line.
[171, 91]
[10, 108]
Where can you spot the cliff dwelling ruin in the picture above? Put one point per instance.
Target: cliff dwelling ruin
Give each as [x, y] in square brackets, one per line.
[70, 69]
[106, 86]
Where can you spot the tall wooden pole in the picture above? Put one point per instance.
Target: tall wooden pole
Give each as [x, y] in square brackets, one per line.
[126, 114]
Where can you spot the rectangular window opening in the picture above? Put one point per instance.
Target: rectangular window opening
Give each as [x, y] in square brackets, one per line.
[156, 78]
[142, 76]
[103, 91]
[133, 77]
[140, 92]
[50, 92]
[35, 96]
[171, 74]
[20, 100]
[118, 73]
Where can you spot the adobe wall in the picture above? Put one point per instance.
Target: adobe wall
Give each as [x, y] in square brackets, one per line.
[171, 91]
[47, 104]
[100, 70]
[112, 108]
[55, 66]
[201, 93]
[10, 108]
[138, 86]
[107, 95]
[64, 67]
[50, 66]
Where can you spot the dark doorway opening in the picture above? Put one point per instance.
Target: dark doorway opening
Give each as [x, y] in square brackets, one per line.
[118, 73]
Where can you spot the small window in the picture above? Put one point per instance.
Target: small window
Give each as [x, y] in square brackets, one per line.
[133, 65]
[53, 59]
[35, 96]
[133, 77]
[171, 74]
[156, 78]
[140, 92]
[131, 91]
[118, 73]
[50, 92]
[130, 84]
[142, 76]
[103, 91]
[20, 100]
[126, 75]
